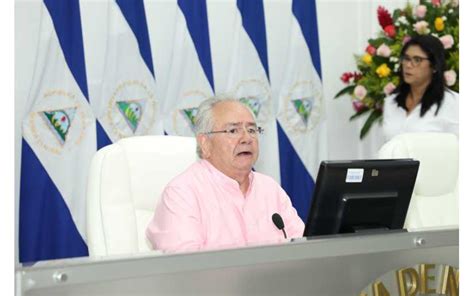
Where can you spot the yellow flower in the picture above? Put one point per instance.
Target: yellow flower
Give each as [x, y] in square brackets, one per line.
[383, 71]
[367, 58]
[439, 24]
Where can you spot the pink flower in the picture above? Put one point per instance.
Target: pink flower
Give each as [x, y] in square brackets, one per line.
[450, 77]
[384, 51]
[406, 39]
[358, 106]
[370, 49]
[389, 88]
[447, 40]
[436, 3]
[422, 27]
[420, 11]
[360, 92]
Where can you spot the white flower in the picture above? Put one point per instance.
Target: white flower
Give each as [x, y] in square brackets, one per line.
[435, 35]
[402, 20]
[450, 10]
[421, 27]
[395, 67]
[450, 77]
[444, 18]
[393, 59]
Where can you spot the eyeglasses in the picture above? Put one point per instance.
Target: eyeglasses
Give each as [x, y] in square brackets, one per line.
[236, 132]
[414, 61]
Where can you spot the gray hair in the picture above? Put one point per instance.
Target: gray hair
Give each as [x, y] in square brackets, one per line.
[204, 121]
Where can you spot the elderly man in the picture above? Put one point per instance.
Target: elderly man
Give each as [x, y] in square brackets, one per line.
[219, 202]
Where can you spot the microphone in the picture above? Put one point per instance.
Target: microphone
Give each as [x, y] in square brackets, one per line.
[278, 221]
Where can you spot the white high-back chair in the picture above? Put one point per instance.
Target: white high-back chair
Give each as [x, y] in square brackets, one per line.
[434, 202]
[126, 180]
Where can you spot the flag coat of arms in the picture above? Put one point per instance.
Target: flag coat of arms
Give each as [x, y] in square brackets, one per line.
[59, 140]
[248, 78]
[301, 109]
[127, 104]
[191, 79]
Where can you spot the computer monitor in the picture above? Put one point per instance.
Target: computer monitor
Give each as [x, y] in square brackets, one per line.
[361, 195]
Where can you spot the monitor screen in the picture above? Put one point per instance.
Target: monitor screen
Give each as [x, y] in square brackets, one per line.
[361, 195]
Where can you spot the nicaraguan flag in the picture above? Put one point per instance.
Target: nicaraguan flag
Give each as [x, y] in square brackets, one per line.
[248, 78]
[127, 104]
[301, 111]
[190, 79]
[59, 140]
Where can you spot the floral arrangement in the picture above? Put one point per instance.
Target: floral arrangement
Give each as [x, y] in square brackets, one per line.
[377, 75]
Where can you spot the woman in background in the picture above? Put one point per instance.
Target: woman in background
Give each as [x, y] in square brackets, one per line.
[422, 102]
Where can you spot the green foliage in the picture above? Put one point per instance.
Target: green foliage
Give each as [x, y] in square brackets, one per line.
[346, 90]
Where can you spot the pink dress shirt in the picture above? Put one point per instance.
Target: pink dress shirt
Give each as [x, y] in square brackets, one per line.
[203, 209]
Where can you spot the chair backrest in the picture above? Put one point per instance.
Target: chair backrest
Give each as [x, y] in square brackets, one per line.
[126, 180]
[434, 201]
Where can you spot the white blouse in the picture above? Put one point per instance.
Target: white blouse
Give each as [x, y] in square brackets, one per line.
[396, 121]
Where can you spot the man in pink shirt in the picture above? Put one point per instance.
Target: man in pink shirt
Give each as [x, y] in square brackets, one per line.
[219, 202]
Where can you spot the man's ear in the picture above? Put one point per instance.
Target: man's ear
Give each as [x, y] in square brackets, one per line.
[204, 143]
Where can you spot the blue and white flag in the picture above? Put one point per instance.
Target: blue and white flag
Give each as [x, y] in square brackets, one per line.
[301, 111]
[127, 104]
[249, 79]
[59, 140]
[190, 79]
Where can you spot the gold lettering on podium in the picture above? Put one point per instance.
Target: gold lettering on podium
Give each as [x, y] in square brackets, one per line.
[407, 286]
[417, 280]
[379, 289]
[424, 270]
[450, 282]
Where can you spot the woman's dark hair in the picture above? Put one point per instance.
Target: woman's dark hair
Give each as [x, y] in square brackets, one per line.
[434, 93]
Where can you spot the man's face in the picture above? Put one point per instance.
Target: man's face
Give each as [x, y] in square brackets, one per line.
[231, 153]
